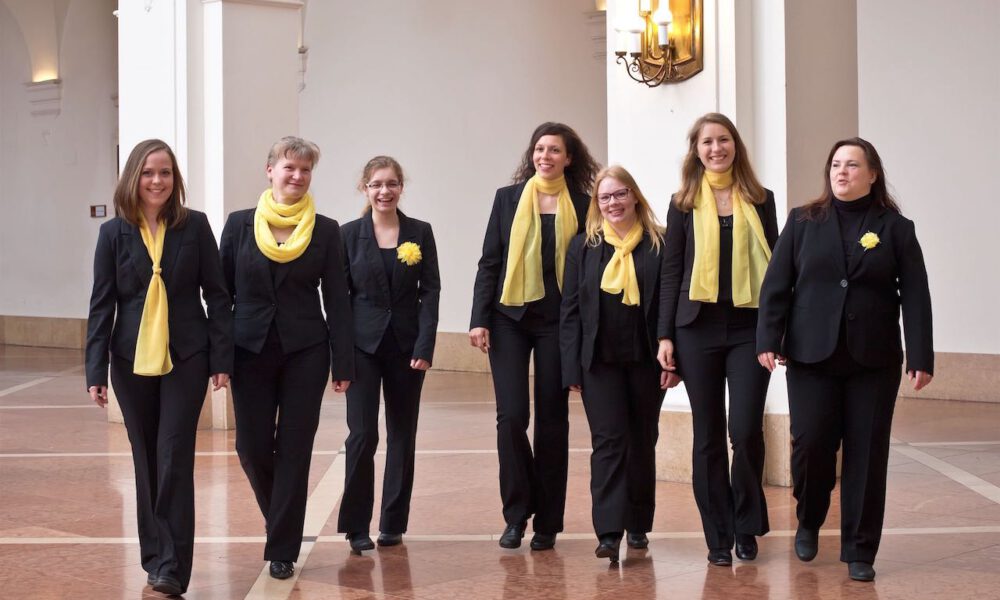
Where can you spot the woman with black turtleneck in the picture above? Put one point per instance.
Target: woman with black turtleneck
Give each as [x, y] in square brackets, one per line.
[843, 267]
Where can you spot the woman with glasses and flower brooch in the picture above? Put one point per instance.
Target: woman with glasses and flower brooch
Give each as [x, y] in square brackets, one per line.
[721, 227]
[607, 335]
[843, 267]
[515, 313]
[392, 275]
[278, 257]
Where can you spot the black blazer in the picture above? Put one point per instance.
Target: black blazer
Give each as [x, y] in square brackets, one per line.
[677, 310]
[493, 264]
[122, 270]
[579, 318]
[290, 297]
[810, 287]
[410, 304]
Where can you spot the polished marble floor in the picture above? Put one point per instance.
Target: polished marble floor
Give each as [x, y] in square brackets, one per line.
[67, 521]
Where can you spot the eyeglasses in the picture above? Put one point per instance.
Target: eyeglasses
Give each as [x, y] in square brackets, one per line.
[618, 195]
[392, 186]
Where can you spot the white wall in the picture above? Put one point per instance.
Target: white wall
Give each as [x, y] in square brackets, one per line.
[453, 90]
[54, 167]
[929, 90]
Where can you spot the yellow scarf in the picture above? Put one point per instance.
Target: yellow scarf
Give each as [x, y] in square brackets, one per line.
[301, 215]
[619, 274]
[750, 252]
[523, 282]
[152, 347]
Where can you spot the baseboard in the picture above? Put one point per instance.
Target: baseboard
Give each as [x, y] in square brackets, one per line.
[960, 376]
[46, 332]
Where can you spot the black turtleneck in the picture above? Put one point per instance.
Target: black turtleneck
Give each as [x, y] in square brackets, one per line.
[851, 215]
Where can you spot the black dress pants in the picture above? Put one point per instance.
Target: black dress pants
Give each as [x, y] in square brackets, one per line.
[530, 484]
[837, 401]
[387, 370]
[161, 417]
[277, 399]
[719, 347]
[623, 409]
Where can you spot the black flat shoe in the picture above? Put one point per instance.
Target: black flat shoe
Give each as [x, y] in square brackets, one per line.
[543, 541]
[360, 542]
[746, 547]
[165, 584]
[282, 569]
[389, 539]
[636, 540]
[511, 536]
[720, 558]
[806, 543]
[860, 571]
[150, 579]
[608, 546]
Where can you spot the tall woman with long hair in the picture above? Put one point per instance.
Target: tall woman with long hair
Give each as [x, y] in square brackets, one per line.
[515, 313]
[721, 226]
[154, 262]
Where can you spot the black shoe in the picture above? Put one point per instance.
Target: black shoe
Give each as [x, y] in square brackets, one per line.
[608, 546]
[720, 558]
[806, 543]
[543, 541]
[389, 539]
[150, 579]
[511, 536]
[860, 571]
[746, 546]
[282, 569]
[165, 584]
[637, 540]
[360, 542]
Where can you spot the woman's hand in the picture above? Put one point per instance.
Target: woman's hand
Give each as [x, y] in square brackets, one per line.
[666, 356]
[340, 386]
[99, 394]
[920, 379]
[219, 381]
[768, 360]
[576, 388]
[480, 338]
[669, 380]
[419, 364]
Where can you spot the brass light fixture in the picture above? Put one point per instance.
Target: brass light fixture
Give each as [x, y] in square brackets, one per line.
[664, 41]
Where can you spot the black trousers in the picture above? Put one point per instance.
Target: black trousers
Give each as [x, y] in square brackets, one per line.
[277, 398]
[389, 370]
[623, 409]
[161, 417]
[837, 401]
[530, 484]
[719, 347]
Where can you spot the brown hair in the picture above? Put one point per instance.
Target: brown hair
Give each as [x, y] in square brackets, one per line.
[744, 180]
[818, 209]
[294, 146]
[379, 162]
[579, 172]
[647, 217]
[126, 198]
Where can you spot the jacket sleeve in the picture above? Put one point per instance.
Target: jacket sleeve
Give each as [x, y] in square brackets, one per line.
[671, 271]
[776, 291]
[228, 247]
[489, 270]
[570, 322]
[218, 300]
[101, 319]
[337, 304]
[770, 220]
[430, 296]
[915, 298]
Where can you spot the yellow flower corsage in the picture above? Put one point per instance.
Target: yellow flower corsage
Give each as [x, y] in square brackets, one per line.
[869, 240]
[408, 253]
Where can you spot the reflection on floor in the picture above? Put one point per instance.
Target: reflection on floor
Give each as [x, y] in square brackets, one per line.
[67, 522]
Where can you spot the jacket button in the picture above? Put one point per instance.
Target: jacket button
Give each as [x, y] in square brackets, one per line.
[843, 283]
[850, 316]
[388, 310]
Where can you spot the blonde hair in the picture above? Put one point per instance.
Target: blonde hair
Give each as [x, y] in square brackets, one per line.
[744, 179]
[296, 147]
[376, 163]
[647, 218]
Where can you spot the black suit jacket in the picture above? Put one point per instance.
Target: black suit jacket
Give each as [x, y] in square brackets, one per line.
[810, 287]
[291, 297]
[493, 264]
[409, 304]
[122, 270]
[677, 310]
[580, 315]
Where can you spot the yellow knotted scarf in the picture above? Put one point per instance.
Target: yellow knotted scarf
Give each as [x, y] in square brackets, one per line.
[523, 281]
[619, 274]
[152, 346]
[301, 215]
[750, 252]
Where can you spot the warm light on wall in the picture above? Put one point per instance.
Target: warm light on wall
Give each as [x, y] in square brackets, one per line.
[663, 39]
[43, 76]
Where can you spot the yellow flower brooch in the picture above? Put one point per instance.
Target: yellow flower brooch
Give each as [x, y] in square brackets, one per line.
[869, 241]
[409, 253]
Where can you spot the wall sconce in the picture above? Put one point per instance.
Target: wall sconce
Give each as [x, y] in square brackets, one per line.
[664, 41]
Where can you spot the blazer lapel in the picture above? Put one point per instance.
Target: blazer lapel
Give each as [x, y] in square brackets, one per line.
[171, 246]
[646, 263]
[873, 222]
[258, 262]
[828, 232]
[401, 272]
[373, 258]
[138, 255]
